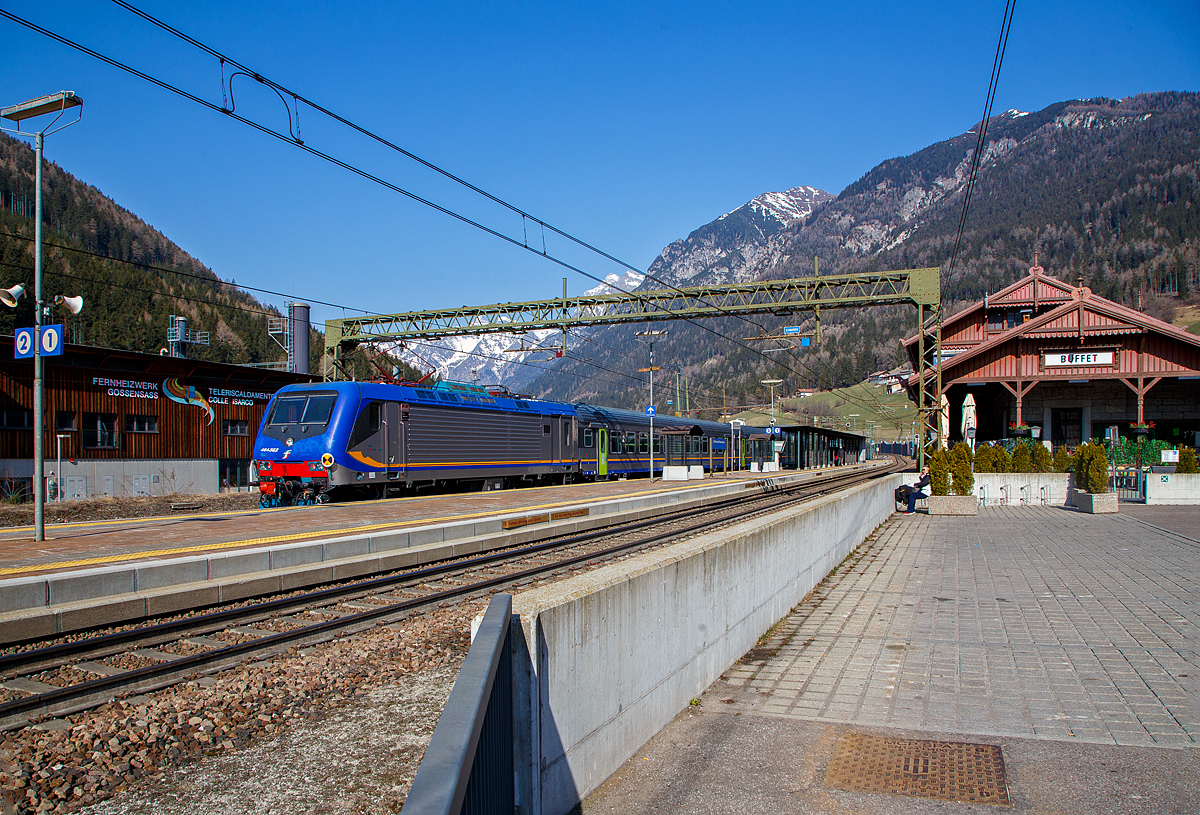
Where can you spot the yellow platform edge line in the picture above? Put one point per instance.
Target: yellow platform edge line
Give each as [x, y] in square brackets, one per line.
[212, 547]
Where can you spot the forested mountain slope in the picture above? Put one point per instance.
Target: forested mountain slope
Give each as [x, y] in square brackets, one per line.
[126, 305]
[1101, 190]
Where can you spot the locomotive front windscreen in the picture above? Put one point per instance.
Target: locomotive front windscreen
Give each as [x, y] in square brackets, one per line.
[303, 409]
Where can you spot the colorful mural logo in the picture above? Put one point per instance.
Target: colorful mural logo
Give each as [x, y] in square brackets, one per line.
[176, 391]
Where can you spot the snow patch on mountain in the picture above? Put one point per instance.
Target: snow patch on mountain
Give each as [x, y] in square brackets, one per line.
[617, 284]
[784, 207]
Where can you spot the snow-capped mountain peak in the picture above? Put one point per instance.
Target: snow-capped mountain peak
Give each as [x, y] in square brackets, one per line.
[617, 284]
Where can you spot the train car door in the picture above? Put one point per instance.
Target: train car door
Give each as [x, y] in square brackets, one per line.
[602, 453]
[393, 440]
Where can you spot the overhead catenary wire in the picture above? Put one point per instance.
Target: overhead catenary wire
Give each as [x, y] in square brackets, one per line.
[215, 281]
[379, 180]
[981, 134]
[281, 90]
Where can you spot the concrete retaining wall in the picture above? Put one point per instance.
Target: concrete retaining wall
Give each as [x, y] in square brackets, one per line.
[1172, 488]
[618, 652]
[119, 477]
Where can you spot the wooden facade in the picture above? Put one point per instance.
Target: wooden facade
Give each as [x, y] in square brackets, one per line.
[119, 405]
[1041, 345]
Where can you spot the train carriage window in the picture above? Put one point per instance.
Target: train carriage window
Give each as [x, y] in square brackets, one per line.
[643, 443]
[658, 444]
[587, 438]
[631, 442]
[704, 444]
[426, 394]
[545, 430]
[566, 434]
[614, 442]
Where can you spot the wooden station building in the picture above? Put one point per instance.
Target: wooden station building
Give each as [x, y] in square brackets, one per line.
[129, 423]
[1068, 364]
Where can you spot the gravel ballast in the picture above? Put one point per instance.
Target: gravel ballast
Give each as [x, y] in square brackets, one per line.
[335, 727]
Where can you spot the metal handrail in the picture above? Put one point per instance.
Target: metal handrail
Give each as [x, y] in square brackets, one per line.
[468, 767]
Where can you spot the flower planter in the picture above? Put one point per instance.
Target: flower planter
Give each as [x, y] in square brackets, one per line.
[1023, 489]
[1096, 503]
[953, 505]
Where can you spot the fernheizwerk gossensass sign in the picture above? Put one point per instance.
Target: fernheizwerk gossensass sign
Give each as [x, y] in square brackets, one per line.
[1076, 359]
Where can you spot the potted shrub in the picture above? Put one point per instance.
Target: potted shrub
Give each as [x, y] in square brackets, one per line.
[952, 474]
[1042, 463]
[1022, 459]
[983, 459]
[1001, 460]
[1091, 480]
[1187, 462]
[1062, 460]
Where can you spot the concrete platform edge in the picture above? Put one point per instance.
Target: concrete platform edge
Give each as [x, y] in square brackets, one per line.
[43, 605]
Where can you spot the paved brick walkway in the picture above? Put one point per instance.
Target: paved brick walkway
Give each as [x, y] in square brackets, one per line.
[1068, 640]
[1033, 622]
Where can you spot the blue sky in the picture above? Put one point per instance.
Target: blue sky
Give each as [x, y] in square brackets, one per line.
[626, 124]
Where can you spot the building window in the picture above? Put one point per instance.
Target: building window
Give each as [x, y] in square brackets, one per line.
[100, 431]
[65, 420]
[141, 424]
[241, 427]
[16, 419]
[234, 473]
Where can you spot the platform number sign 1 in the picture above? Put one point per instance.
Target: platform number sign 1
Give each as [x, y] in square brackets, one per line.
[52, 344]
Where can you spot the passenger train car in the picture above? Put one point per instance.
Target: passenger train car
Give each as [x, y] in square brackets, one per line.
[341, 440]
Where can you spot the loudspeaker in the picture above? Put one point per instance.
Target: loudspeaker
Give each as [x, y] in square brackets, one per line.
[9, 297]
[73, 304]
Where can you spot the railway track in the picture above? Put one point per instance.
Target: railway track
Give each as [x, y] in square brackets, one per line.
[68, 677]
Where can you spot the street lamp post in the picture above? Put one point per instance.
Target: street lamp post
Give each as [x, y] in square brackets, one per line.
[772, 383]
[54, 103]
[651, 369]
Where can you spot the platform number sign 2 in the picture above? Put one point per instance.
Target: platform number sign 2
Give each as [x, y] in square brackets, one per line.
[52, 344]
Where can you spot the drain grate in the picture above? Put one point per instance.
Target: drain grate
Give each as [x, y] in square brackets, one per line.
[941, 770]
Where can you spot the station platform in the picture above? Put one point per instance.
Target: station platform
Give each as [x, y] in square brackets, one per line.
[107, 572]
[1067, 640]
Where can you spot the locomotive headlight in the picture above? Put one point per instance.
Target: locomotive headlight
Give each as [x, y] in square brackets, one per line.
[327, 461]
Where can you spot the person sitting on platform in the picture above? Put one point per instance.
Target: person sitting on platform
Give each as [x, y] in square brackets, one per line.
[915, 492]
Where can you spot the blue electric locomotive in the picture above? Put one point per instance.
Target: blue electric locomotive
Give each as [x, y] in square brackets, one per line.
[370, 440]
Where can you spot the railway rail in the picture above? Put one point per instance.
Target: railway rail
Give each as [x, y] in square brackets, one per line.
[57, 679]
